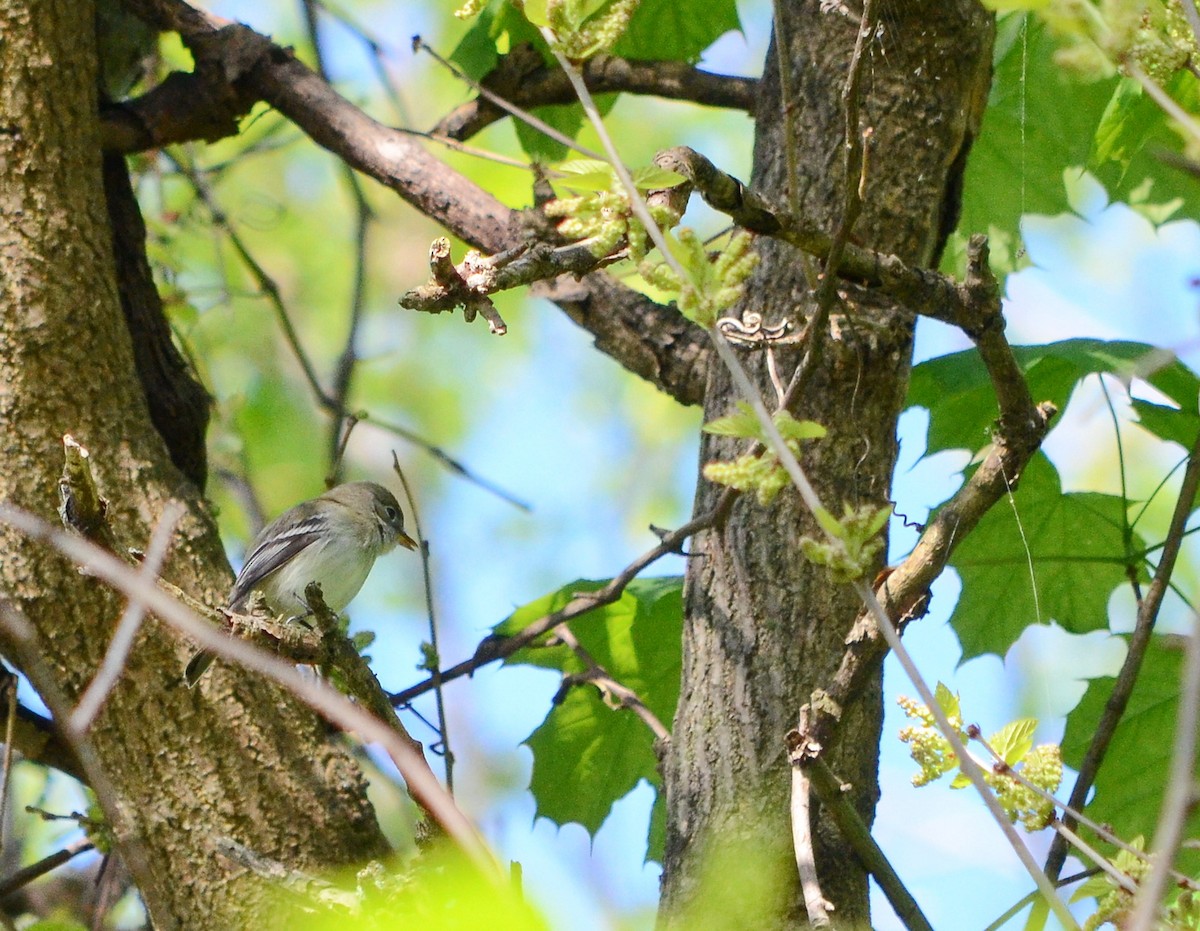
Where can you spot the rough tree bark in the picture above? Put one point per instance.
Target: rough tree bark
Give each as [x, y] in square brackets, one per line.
[763, 628]
[237, 757]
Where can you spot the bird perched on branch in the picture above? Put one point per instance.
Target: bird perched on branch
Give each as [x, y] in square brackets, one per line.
[332, 540]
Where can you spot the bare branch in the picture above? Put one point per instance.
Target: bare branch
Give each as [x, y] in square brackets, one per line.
[831, 791]
[522, 78]
[925, 291]
[494, 647]
[815, 903]
[619, 695]
[27, 874]
[261, 70]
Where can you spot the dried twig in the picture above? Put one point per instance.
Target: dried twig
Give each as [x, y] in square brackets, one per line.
[815, 904]
[831, 791]
[433, 661]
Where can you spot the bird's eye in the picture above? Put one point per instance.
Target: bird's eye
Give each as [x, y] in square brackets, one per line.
[391, 512]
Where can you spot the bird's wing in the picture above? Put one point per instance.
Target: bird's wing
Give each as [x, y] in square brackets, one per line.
[272, 550]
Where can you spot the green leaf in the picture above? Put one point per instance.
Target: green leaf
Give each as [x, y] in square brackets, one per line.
[476, 52]
[586, 171]
[536, 12]
[962, 403]
[566, 118]
[1078, 552]
[947, 701]
[792, 429]
[587, 755]
[877, 522]
[830, 524]
[1129, 786]
[744, 423]
[676, 30]
[1028, 137]
[1014, 740]
[653, 178]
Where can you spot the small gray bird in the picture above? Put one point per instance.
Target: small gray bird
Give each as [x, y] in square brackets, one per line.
[333, 540]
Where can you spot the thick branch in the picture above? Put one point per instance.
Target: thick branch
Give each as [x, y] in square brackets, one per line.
[523, 78]
[259, 69]
[904, 592]
[656, 342]
[925, 291]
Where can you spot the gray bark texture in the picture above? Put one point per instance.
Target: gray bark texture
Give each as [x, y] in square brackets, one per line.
[763, 628]
[235, 758]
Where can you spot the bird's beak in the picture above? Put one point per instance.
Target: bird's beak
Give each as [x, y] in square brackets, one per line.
[403, 539]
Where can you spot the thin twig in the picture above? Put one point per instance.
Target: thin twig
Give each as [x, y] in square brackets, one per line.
[27, 874]
[1100, 830]
[1139, 642]
[495, 648]
[363, 215]
[969, 767]
[816, 906]
[9, 690]
[108, 890]
[1020, 905]
[28, 654]
[1102, 862]
[1180, 794]
[127, 628]
[435, 660]
[597, 675]
[318, 695]
[523, 115]
[833, 797]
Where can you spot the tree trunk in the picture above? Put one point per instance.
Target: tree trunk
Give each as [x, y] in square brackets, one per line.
[234, 758]
[763, 627]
